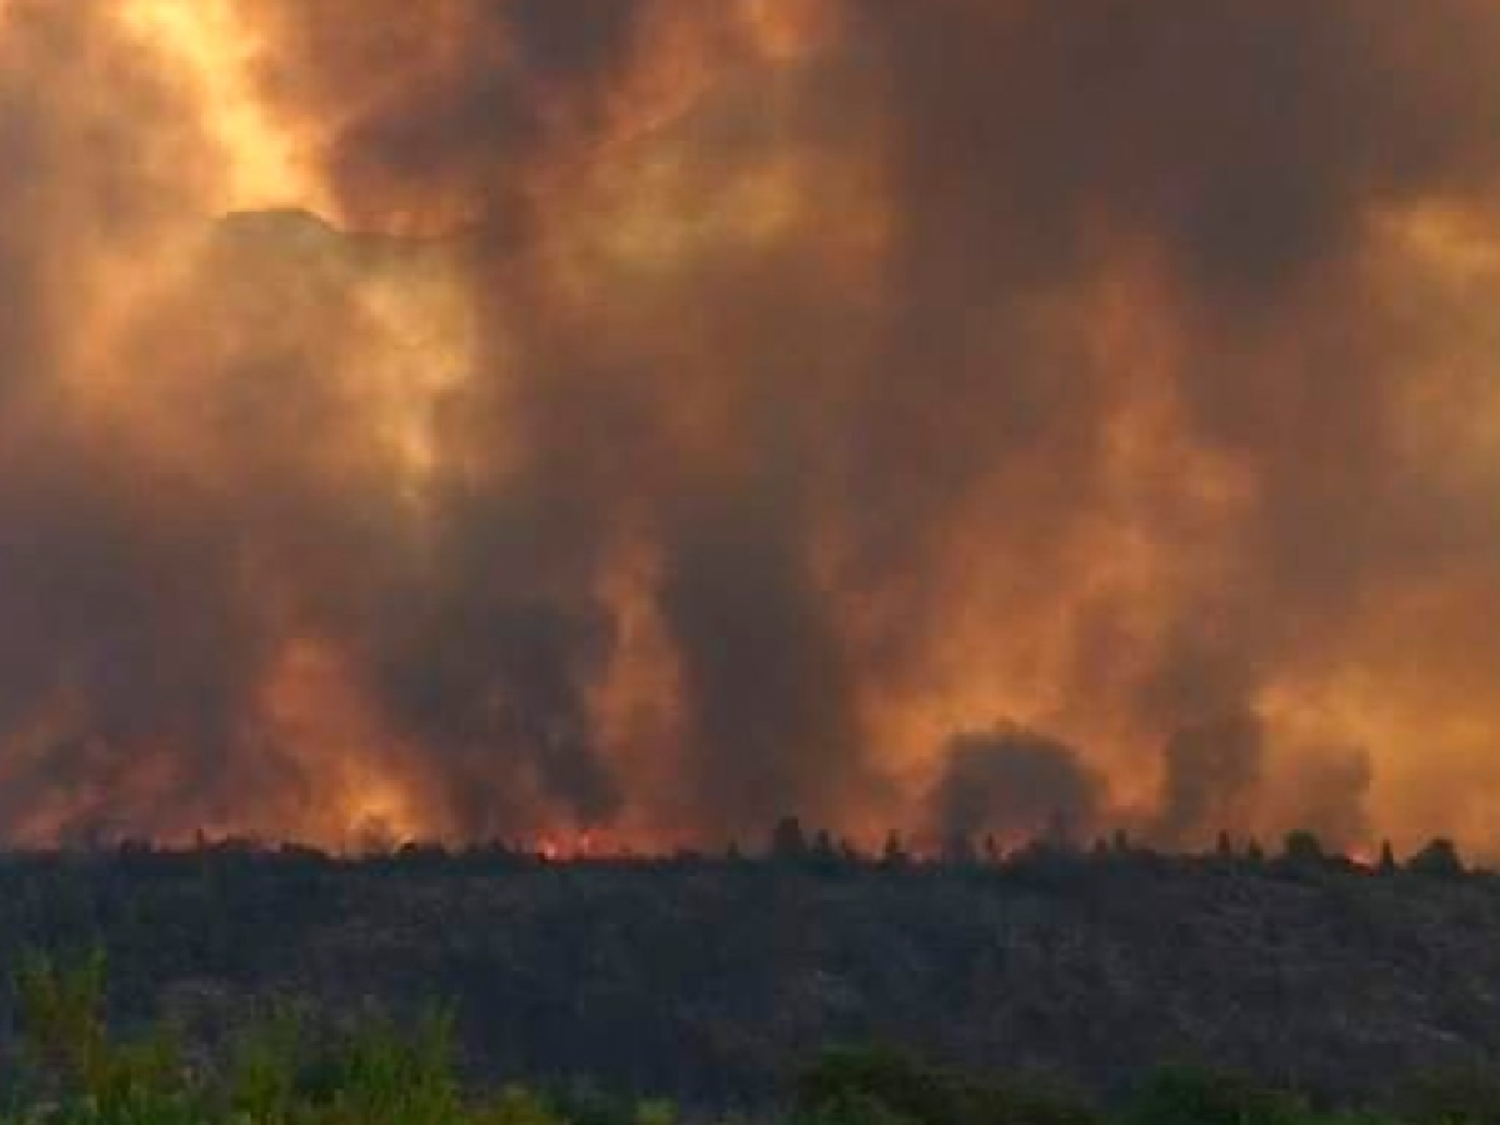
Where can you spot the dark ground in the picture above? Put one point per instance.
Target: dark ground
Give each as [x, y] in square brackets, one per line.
[714, 980]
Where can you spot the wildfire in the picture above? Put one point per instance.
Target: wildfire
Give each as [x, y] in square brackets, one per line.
[617, 425]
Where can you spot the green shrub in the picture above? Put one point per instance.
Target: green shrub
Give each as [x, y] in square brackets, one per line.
[875, 1080]
[1183, 1095]
[518, 1106]
[893, 1087]
[1452, 1096]
[262, 1081]
[62, 1020]
[1023, 1101]
[852, 1108]
[385, 1078]
[65, 1037]
[279, 1073]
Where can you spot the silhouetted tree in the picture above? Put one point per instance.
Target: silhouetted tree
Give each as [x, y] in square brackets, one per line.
[1387, 865]
[1224, 849]
[958, 850]
[1304, 849]
[1439, 859]
[788, 841]
[993, 853]
[824, 856]
[894, 855]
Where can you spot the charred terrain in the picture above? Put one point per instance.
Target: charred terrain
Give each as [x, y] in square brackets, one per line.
[716, 979]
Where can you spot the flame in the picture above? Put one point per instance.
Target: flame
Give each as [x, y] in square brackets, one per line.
[358, 792]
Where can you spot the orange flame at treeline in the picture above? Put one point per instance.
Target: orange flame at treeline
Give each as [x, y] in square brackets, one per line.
[616, 425]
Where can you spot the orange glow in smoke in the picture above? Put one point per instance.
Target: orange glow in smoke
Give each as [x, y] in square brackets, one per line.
[214, 49]
[730, 262]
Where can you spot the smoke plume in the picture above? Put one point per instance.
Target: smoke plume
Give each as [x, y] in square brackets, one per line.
[1014, 784]
[644, 417]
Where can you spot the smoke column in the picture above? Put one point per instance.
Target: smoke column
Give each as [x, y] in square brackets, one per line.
[465, 418]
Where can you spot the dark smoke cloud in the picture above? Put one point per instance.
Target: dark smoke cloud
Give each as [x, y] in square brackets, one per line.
[1014, 783]
[118, 628]
[768, 688]
[702, 404]
[1213, 768]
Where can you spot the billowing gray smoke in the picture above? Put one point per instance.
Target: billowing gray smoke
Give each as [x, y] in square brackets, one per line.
[1016, 785]
[648, 417]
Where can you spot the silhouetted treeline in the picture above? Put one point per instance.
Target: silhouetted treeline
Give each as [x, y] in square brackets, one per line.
[788, 847]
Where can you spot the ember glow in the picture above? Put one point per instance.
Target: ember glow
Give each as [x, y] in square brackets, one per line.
[616, 423]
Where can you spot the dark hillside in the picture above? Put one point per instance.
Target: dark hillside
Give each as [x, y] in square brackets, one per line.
[714, 979]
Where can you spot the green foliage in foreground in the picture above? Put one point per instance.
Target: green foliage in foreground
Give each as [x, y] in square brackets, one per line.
[867, 1088]
[77, 1073]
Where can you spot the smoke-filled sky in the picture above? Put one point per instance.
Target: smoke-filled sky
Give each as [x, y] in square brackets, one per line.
[640, 418]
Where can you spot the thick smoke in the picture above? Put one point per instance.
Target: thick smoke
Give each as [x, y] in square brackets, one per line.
[1327, 786]
[1015, 784]
[645, 417]
[1213, 769]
